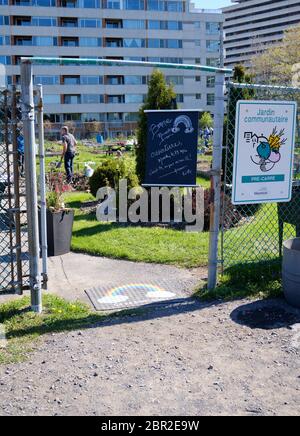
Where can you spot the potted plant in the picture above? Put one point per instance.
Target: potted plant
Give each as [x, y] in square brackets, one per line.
[59, 220]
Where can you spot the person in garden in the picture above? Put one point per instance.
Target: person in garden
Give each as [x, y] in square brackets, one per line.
[69, 150]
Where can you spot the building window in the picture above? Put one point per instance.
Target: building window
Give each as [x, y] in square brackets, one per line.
[113, 4]
[212, 62]
[71, 80]
[46, 80]
[197, 43]
[44, 21]
[72, 117]
[134, 24]
[212, 28]
[131, 117]
[135, 80]
[52, 99]
[212, 46]
[91, 80]
[175, 80]
[4, 20]
[4, 40]
[44, 41]
[134, 43]
[115, 99]
[134, 5]
[90, 4]
[92, 98]
[114, 116]
[72, 99]
[134, 98]
[210, 99]
[5, 60]
[114, 80]
[198, 61]
[198, 78]
[89, 42]
[210, 81]
[114, 42]
[89, 23]
[198, 96]
[180, 98]
[92, 117]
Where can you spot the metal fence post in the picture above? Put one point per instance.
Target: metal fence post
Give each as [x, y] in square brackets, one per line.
[31, 185]
[216, 173]
[40, 116]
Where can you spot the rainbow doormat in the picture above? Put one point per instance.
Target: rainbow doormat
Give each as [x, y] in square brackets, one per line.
[132, 295]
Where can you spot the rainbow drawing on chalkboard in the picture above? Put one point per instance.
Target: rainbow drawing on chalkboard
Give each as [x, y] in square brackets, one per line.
[267, 150]
[183, 119]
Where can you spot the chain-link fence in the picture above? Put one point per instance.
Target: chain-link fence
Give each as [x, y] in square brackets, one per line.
[252, 235]
[14, 265]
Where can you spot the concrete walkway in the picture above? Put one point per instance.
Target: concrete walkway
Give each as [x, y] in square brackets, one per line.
[72, 274]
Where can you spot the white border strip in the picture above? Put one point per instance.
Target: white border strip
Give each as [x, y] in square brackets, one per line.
[3, 340]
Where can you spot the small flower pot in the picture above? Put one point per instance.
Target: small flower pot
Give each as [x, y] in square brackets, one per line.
[59, 231]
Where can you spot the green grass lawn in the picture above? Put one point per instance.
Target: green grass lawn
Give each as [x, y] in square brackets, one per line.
[24, 328]
[255, 240]
[135, 243]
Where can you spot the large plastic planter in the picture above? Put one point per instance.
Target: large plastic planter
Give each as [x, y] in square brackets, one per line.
[59, 231]
[291, 271]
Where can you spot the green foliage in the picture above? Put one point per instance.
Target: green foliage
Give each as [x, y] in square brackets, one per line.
[110, 172]
[236, 94]
[256, 280]
[160, 96]
[206, 120]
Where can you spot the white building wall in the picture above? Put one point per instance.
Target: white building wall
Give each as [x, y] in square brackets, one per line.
[251, 25]
[193, 93]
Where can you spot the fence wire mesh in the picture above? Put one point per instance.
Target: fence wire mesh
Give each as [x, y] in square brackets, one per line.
[252, 235]
[14, 263]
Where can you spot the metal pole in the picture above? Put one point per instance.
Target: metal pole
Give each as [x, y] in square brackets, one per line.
[216, 182]
[19, 283]
[31, 185]
[40, 116]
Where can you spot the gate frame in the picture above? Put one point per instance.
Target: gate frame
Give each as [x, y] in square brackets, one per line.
[28, 121]
[241, 86]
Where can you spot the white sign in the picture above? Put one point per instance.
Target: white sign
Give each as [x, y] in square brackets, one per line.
[264, 151]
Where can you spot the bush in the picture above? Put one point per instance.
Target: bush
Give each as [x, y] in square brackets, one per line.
[110, 172]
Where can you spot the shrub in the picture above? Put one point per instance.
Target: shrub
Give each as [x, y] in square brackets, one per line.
[160, 96]
[110, 172]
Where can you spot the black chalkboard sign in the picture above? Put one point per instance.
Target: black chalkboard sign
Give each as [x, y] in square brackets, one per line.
[172, 140]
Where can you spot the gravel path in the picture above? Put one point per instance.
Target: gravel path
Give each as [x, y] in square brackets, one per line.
[186, 359]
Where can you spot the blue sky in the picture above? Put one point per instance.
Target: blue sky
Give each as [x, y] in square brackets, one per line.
[212, 4]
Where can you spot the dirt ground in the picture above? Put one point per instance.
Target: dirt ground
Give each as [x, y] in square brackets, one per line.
[238, 358]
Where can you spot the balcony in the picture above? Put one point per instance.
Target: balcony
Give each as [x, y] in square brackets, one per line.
[113, 42]
[69, 22]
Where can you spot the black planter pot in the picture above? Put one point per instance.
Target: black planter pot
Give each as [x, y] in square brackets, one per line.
[59, 231]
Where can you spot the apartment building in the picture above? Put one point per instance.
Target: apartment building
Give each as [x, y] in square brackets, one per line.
[251, 25]
[143, 30]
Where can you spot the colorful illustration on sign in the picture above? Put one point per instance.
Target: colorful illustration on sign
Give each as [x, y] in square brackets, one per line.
[267, 150]
[183, 119]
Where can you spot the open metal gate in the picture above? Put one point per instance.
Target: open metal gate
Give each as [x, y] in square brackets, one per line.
[252, 234]
[14, 260]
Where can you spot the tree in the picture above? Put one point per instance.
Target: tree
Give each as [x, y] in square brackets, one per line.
[240, 76]
[160, 96]
[275, 65]
[206, 120]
